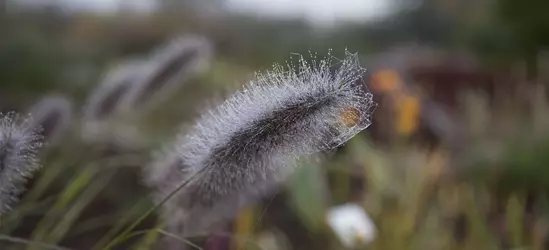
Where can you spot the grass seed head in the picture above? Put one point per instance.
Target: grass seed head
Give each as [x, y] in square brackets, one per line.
[19, 145]
[251, 142]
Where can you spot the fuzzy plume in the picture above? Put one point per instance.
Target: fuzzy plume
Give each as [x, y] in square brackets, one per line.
[251, 142]
[19, 145]
[98, 125]
[53, 114]
[169, 67]
[116, 84]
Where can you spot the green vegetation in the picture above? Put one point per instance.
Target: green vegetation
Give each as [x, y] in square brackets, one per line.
[494, 194]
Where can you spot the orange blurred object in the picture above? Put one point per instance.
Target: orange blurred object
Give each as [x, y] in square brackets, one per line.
[408, 114]
[386, 81]
[350, 117]
[243, 227]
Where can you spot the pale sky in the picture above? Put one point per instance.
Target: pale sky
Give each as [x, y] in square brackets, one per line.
[324, 11]
[318, 11]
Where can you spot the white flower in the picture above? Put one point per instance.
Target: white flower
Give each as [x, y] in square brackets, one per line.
[352, 225]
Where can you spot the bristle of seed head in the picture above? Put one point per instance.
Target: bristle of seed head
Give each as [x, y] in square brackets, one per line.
[107, 98]
[53, 114]
[170, 66]
[115, 136]
[105, 103]
[19, 145]
[251, 142]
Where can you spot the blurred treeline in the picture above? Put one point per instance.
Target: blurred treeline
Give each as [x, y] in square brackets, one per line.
[45, 48]
[488, 190]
